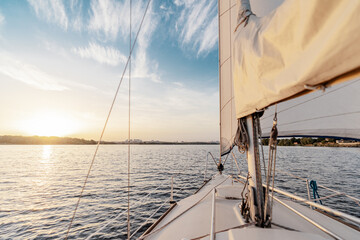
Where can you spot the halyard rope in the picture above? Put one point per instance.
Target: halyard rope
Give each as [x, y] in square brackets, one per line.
[107, 119]
[271, 170]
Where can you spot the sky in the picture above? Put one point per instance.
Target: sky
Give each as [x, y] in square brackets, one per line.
[61, 62]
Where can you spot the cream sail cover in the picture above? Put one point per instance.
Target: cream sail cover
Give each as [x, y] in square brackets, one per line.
[300, 43]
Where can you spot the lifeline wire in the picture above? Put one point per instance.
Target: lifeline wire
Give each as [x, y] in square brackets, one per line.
[135, 204]
[129, 132]
[107, 119]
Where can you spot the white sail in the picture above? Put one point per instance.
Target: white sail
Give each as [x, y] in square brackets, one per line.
[331, 113]
[299, 45]
[227, 11]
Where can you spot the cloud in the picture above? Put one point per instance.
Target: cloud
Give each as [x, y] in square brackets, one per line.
[52, 11]
[143, 67]
[2, 19]
[166, 11]
[197, 25]
[55, 11]
[107, 55]
[179, 84]
[108, 17]
[29, 74]
[75, 8]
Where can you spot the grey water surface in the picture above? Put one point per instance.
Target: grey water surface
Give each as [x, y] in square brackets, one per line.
[40, 184]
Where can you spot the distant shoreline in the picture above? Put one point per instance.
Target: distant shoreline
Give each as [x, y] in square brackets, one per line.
[40, 140]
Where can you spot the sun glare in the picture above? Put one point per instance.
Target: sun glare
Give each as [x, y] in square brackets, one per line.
[50, 124]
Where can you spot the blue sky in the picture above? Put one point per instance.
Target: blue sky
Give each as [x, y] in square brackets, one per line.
[60, 63]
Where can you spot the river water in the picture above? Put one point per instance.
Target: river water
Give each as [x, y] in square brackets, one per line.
[40, 185]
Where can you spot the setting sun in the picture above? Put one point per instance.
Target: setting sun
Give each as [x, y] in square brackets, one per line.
[50, 124]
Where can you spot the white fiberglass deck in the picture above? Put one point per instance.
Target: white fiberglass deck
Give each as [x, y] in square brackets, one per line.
[191, 218]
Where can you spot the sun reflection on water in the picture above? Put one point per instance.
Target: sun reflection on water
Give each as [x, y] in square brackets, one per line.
[46, 153]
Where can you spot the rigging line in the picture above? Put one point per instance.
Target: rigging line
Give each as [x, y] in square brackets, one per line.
[166, 201]
[139, 202]
[129, 134]
[315, 98]
[225, 230]
[315, 118]
[146, 221]
[227, 10]
[226, 158]
[107, 119]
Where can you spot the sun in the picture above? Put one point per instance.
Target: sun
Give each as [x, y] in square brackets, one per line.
[50, 124]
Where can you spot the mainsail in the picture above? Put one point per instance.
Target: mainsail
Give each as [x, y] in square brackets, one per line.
[299, 47]
[227, 11]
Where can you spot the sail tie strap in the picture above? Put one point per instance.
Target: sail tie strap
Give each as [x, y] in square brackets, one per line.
[245, 16]
[314, 187]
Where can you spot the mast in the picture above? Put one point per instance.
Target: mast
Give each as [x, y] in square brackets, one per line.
[255, 189]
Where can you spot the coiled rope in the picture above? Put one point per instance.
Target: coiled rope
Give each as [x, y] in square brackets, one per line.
[242, 138]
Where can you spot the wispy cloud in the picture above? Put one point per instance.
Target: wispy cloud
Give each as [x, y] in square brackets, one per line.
[179, 84]
[57, 12]
[101, 54]
[197, 25]
[76, 14]
[167, 11]
[29, 74]
[108, 17]
[52, 11]
[144, 67]
[2, 19]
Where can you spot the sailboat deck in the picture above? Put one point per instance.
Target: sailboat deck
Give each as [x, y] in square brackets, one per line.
[192, 218]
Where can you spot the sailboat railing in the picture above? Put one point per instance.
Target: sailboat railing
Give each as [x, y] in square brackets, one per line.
[137, 203]
[336, 193]
[313, 204]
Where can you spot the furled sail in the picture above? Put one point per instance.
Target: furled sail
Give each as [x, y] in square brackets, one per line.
[228, 14]
[298, 46]
[227, 22]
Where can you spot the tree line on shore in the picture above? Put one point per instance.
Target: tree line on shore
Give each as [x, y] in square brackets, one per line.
[305, 141]
[43, 140]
